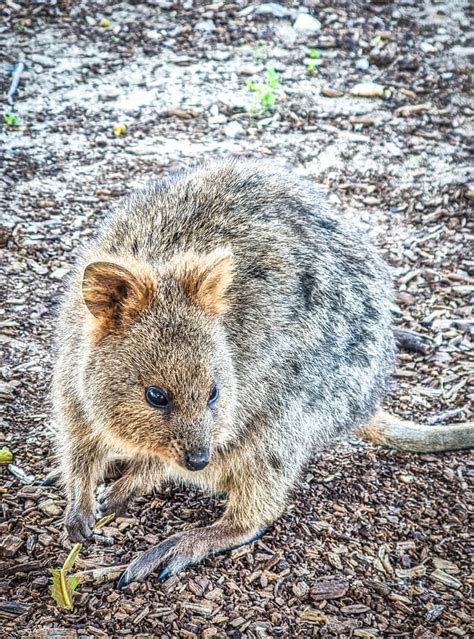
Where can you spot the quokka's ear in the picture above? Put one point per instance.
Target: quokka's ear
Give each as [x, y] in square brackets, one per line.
[113, 294]
[206, 278]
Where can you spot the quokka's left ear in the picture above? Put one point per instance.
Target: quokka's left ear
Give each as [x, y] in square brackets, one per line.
[114, 295]
[206, 278]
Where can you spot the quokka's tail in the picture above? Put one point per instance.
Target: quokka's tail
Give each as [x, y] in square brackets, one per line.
[387, 430]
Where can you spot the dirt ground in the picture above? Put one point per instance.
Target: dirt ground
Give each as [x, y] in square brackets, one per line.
[374, 543]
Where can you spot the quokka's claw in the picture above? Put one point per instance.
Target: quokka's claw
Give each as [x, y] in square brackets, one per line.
[51, 478]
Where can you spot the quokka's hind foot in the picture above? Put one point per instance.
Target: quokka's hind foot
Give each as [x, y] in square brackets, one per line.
[187, 548]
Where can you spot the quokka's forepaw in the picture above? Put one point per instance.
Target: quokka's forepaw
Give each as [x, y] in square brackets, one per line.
[79, 524]
[111, 502]
[179, 551]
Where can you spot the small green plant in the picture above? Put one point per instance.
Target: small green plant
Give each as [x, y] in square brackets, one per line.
[11, 119]
[63, 584]
[313, 54]
[265, 92]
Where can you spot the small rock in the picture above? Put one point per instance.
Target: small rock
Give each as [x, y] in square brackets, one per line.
[412, 109]
[368, 90]
[267, 9]
[448, 566]
[406, 299]
[5, 234]
[20, 474]
[305, 23]
[329, 92]
[300, 589]
[234, 130]
[125, 522]
[6, 393]
[39, 269]
[426, 47]
[434, 613]
[10, 545]
[383, 56]
[328, 589]
[59, 273]
[206, 26]
[408, 63]
[250, 69]
[354, 609]
[219, 55]
[50, 508]
[446, 579]
[362, 64]
[153, 35]
[364, 120]
[463, 52]
[43, 60]
[327, 42]
[109, 92]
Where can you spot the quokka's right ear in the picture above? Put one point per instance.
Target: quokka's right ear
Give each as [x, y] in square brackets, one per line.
[205, 278]
[114, 295]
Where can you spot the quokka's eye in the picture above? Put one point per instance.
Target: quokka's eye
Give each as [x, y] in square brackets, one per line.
[156, 397]
[213, 396]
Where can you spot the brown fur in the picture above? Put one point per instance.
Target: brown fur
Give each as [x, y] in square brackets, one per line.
[205, 279]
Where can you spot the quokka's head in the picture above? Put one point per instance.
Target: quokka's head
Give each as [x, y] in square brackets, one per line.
[158, 375]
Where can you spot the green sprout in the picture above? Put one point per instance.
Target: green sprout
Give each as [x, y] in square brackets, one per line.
[11, 119]
[265, 92]
[313, 54]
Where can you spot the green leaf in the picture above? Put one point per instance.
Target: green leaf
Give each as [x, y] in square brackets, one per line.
[314, 54]
[71, 558]
[268, 99]
[6, 455]
[104, 521]
[11, 119]
[311, 68]
[251, 85]
[61, 590]
[272, 78]
[74, 581]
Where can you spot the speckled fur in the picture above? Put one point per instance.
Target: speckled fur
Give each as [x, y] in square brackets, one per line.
[301, 352]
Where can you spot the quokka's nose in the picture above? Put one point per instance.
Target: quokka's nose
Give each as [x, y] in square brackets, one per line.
[197, 459]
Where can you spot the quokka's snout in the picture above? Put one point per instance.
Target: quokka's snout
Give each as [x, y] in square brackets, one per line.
[197, 458]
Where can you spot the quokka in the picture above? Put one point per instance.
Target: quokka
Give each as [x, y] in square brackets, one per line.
[225, 323]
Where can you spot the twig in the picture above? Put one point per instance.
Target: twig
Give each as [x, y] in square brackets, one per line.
[411, 341]
[445, 415]
[18, 70]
